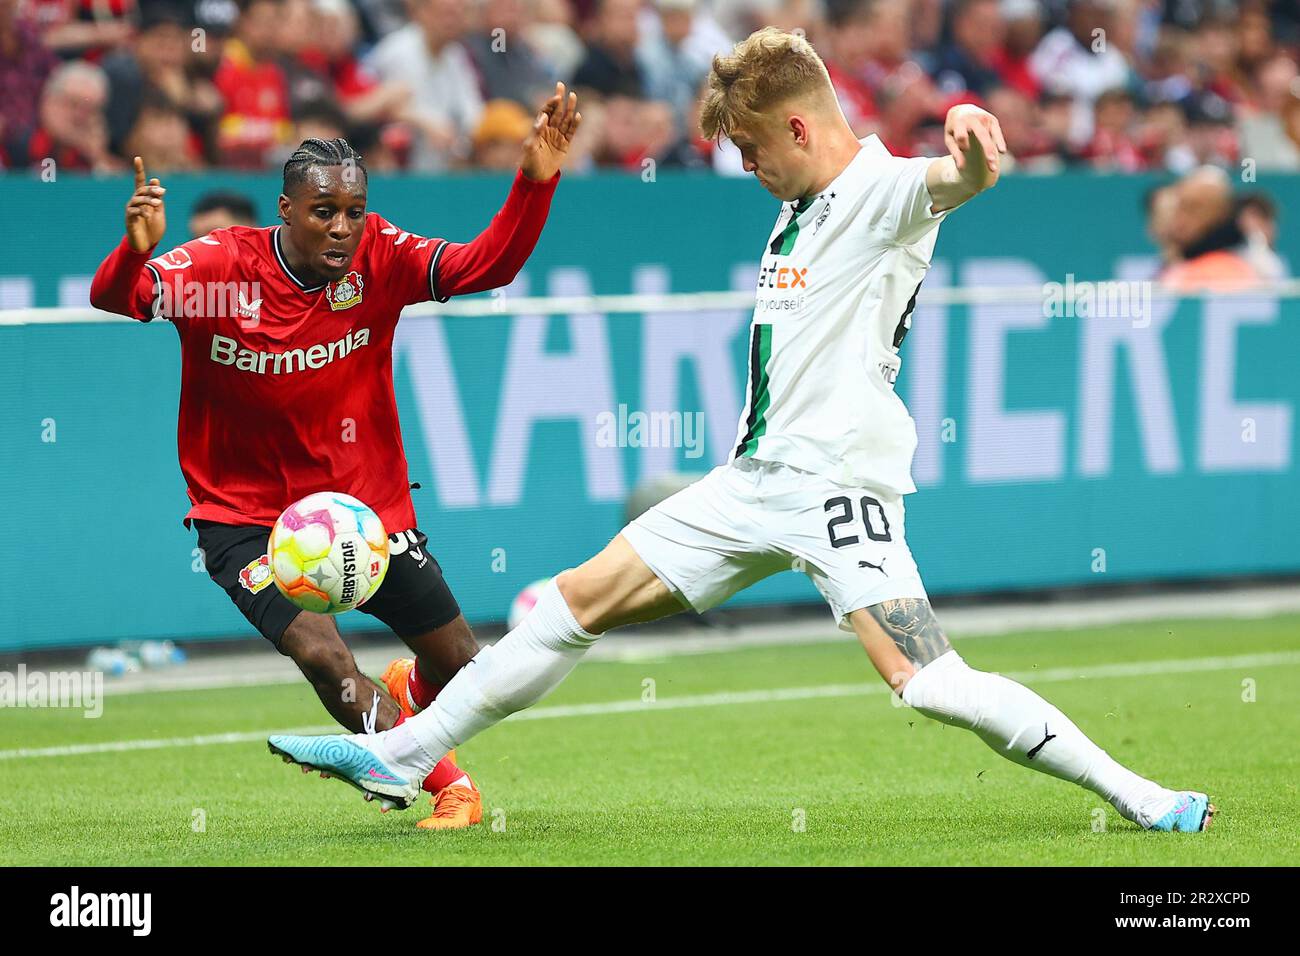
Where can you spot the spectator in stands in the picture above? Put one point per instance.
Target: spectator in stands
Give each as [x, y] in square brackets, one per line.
[71, 130]
[611, 67]
[970, 60]
[1215, 43]
[504, 127]
[1262, 123]
[1164, 140]
[1113, 147]
[1161, 205]
[1023, 22]
[161, 137]
[85, 28]
[847, 53]
[589, 142]
[306, 73]
[656, 137]
[551, 32]
[214, 21]
[1029, 148]
[1075, 60]
[1119, 84]
[363, 99]
[673, 66]
[1056, 114]
[1255, 45]
[623, 139]
[888, 37]
[1210, 133]
[382, 145]
[320, 119]
[508, 66]
[1205, 231]
[1257, 220]
[1168, 73]
[257, 118]
[221, 208]
[379, 18]
[154, 65]
[25, 64]
[427, 57]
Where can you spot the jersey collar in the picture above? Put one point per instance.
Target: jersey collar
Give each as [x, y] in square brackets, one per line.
[284, 264]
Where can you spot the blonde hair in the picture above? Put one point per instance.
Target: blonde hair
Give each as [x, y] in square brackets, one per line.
[768, 67]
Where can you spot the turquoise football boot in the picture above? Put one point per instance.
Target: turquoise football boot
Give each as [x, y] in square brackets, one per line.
[1191, 814]
[349, 759]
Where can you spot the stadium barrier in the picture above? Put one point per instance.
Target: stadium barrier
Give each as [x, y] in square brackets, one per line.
[1070, 432]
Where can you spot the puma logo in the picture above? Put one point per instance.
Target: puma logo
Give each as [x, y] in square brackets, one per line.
[1046, 737]
[879, 567]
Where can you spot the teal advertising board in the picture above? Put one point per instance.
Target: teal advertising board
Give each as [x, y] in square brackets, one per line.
[1056, 448]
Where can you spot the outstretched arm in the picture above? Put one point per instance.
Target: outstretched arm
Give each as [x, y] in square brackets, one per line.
[974, 141]
[495, 257]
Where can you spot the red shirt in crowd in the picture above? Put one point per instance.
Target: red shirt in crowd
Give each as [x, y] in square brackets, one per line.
[257, 113]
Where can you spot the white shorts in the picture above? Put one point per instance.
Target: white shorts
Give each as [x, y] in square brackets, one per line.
[749, 519]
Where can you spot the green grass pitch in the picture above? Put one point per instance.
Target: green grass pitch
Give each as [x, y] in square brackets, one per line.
[827, 777]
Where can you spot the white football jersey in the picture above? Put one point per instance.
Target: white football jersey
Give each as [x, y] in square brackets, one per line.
[836, 290]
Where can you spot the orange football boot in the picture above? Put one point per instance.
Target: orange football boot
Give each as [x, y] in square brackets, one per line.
[454, 807]
[396, 678]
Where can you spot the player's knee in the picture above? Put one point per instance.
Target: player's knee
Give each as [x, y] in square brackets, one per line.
[582, 595]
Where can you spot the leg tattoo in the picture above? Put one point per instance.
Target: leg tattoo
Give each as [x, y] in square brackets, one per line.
[912, 626]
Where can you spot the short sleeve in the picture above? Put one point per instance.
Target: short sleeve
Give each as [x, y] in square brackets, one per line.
[908, 204]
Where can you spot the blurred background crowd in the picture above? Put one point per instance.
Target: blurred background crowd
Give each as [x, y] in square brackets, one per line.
[1205, 91]
[428, 85]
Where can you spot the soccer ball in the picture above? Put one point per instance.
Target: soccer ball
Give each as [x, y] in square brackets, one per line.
[328, 553]
[524, 601]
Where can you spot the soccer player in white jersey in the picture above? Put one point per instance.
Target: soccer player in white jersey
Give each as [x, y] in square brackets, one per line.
[819, 469]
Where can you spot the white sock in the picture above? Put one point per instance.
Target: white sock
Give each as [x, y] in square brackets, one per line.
[516, 672]
[1016, 722]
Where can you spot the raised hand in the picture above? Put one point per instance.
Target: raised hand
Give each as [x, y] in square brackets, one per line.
[974, 139]
[146, 221]
[548, 144]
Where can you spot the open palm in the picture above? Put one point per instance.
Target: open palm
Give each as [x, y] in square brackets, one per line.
[548, 144]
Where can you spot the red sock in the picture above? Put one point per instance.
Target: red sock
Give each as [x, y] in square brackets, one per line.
[423, 690]
[443, 775]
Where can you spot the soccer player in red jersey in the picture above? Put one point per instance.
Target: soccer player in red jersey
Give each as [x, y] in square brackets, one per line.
[287, 389]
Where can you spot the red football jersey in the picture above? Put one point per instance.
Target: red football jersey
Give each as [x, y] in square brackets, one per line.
[288, 389]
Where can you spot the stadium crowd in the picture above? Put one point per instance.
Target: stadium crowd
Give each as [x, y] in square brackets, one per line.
[429, 85]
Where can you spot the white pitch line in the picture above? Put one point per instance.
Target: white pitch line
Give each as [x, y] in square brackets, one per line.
[722, 699]
[962, 623]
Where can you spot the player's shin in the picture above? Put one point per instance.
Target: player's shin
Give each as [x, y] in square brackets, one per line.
[1025, 728]
[515, 673]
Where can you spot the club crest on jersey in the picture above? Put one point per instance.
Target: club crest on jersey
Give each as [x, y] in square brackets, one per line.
[346, 292]
[256, 574]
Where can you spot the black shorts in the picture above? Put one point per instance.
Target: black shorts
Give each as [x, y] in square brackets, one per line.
[412, 600]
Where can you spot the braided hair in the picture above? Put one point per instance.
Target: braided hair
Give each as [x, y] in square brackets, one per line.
[318, 152]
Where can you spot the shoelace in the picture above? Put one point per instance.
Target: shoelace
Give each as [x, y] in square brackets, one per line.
[368, 720]
[446, 806]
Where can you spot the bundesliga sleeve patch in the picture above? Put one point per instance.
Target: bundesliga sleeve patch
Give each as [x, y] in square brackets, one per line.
[256, 574]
